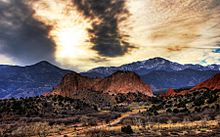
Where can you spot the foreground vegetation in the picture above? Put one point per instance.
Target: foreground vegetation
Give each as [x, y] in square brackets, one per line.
[199, 105]
[196, 114]
[52, 106]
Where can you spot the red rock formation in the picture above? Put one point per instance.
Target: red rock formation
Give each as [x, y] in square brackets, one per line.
[212, 83]
[170, 93]
[119, 82]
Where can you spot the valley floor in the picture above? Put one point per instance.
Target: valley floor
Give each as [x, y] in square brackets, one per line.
[204, 128]
[113, 128]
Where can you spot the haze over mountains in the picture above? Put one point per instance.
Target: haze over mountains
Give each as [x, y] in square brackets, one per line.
[159, 73]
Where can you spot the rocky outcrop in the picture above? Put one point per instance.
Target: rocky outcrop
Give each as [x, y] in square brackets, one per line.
[212, 83]
[118, 82]
[170, 93]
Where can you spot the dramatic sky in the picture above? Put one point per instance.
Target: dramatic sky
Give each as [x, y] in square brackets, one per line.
[83, 34]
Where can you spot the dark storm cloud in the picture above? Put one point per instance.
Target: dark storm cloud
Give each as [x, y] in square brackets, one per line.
[215, 3]
[107, 39]
[24, 38]
[99, 59]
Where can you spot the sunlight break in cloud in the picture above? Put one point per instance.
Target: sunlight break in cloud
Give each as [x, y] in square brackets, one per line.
[182, 31]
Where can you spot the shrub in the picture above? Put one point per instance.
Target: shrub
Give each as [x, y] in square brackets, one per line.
[199, 102]
[152, 111]
[175, 111]
[212, 99]
[127, 129]
[197, 109]
[97, 133]
[169, 110]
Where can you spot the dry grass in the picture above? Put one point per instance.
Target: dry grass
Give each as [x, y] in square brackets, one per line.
[40, 129]
[182, 125]
[196, 128]
[154, 129]
[197, 124]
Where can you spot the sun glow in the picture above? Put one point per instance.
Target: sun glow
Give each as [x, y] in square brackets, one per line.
[176, 30]
[70, 41]
[68, 30]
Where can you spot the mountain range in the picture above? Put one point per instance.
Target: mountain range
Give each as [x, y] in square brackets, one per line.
[159, 73]
[162, 74]
[16, 81]
[151, 65]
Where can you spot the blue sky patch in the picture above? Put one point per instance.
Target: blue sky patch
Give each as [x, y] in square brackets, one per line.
[216, 50]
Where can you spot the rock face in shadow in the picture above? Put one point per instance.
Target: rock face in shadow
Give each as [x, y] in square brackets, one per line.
[118, 82]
